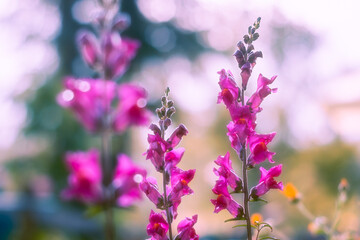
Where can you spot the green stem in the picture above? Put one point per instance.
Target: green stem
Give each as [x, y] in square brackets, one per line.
[166, 203]
[243, 158]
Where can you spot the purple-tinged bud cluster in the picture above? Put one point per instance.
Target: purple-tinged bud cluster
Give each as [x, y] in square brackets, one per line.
[86, 176]
[165, 155]
[242, 133]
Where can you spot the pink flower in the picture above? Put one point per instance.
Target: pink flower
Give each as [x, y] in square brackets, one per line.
[179, 182]
[157, 227]
[89, 48]
[150, 188]
[89, 99]
[186, 229]
[156, 151]
[262, 91]
[173, 157]
[225, 201]
[85, 176]
[238, 133]
[226, 172]
[117, 53]
[176, 136]
[267, 181]
[126, 181]
[131, 109]
[258, 147]
[229, 90]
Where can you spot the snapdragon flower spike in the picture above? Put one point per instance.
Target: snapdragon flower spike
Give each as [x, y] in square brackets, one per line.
[85, 176]
[267, 182]
[90, 99]
[263, 90]
[226, 172]
[157, 227]
[186, 229]
[225, 200]
[150, 188]
[126, 181]
[258, 148]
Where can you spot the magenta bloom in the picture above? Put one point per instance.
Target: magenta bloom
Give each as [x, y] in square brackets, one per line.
[117, 53]
[262, 91]
[229, 90]
[89, 48]
[89, 99]
[85, 176]
[157, 227]
[126, 181]
[226, 172]
[225, 201]
[131, 109]
[150, 188]
[176, 136]
[179, 182]
[258, 147]
[173, 157]
[156, 151]
[267, 181]
[186, 229]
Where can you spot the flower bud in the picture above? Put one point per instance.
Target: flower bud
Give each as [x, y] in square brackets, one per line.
[121, 22]
[170, 112]
[167, 123]
[170, 103]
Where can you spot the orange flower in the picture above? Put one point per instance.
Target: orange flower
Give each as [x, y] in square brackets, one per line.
[256, 218]
[343, 185]
[291, 192]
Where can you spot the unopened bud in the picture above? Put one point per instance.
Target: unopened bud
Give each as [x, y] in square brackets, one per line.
[163, 101]
[255, 36]
[246, 39]
[170, 104]
[170, 112]
[167, 123]
[241, 47]
[158, 112]
[121, 22]
[163, 111]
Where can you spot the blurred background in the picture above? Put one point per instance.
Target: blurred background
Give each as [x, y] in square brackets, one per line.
[311, 45]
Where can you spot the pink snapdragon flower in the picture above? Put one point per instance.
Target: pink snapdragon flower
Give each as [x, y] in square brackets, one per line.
[85, 176]
[225, 200]
[267, 181]
[226, 172]
[90, 99]
[258, 147]
[229, 90]
[176, 136]
[150, 188]
[131, 109]
[117, 53]
[263, 90]
[179, 182]
[126, 181]
[89, 48]
[186, 229]
[157, 227]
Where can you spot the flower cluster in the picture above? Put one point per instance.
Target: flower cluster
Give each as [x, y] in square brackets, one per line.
[104, 107]
[242, 134]
[164, 155]
[85, 178]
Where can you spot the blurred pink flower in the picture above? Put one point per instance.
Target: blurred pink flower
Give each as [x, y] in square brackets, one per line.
[226, 172]
[131, 109]
[258, 148]
[267, 181]
[186, 229]
[117, 53]
[179, 182]
[157, 227]
[89, 48]
[176, 136]
[85, 176]
[126, 181]
[173, 157]
[90, 99]
[225, 201]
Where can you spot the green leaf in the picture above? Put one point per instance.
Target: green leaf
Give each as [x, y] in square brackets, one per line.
[265, 225]
[267, 237]
[235, 219]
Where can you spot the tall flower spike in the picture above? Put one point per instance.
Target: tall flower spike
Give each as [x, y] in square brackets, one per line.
[164, 155]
